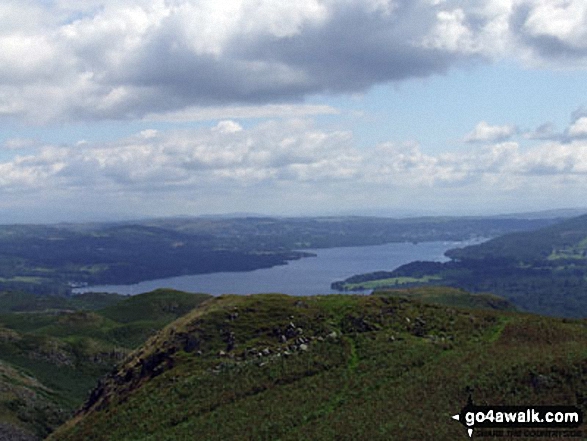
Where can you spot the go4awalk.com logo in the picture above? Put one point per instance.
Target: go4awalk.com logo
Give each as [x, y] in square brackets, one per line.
[560, 420]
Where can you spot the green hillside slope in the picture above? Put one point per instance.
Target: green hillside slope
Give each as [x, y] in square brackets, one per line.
[446, 296]
[564, 240]
[51, 359]
[338, 367]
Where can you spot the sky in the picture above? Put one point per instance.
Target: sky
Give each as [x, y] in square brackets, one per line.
[134, 108]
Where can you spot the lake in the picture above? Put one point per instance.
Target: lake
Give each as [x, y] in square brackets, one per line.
[307, 276]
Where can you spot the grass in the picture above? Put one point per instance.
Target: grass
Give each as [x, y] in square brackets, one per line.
[26, 405]
[576, 251]
[389, 282]
[25, 279]
[66, 351]
[373, 367]
[447, 296]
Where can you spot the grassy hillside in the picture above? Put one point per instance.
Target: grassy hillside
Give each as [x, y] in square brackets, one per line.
[564, 240]
[543, 271]
[18, 301]
[51, 359]
[442, 295]
[27, 407]
[338, 367]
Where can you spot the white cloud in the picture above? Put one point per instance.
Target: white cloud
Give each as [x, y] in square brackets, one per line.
[65, 60]
[278, 164]
[563, 20]
[543, 131]
[484, 132]
[451, 33]
[228, 127]
[19, 143]
[276, 151]
[243, 112]
[578, 128]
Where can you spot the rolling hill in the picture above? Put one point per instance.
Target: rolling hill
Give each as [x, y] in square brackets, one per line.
[54, 259]
[337, 367]
[50, 358]
[542, 271]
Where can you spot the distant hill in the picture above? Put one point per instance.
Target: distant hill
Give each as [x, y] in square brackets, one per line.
[55, 259]
[336, 367]
[543, 271]
[51, 357]
[560, 213]
[559, 242]
[18, 301]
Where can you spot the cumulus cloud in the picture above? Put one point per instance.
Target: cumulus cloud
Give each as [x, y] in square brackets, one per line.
[289, 151]
[543, 131]
[64, 60]
[275, 154]
[243, 112]
[551, 30]
[579, 128]
[576, 130]
[19, 143]
[484, 132]
[284, 165]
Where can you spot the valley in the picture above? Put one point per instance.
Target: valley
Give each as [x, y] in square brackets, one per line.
[272, 366]
[55, 259]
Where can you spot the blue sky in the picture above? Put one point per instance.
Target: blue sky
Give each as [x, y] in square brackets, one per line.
[182, 107]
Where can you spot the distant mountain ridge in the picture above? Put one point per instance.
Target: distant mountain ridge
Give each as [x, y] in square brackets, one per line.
[54, 259]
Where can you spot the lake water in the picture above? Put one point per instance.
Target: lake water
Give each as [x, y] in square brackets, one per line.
[307, 276]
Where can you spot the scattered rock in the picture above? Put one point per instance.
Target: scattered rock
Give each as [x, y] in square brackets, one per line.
[230, 341]
[303, 347]
[541, 382]
[291, 330]
[190, 343]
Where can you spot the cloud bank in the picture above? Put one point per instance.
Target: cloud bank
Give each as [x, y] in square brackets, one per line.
[256, 167]
[90, 60]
